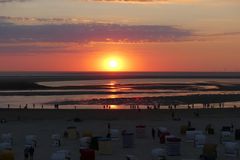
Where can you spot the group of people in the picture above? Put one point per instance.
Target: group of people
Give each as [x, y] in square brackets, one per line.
[28, 152]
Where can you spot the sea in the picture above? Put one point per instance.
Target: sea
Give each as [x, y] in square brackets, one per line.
[78, 86]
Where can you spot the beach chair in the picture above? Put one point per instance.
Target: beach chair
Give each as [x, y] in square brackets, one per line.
[158, 154]
[190, 135]
[7, 138]
[5, 146]
[56, 140]
[87, 154]
[173, 146]
[226, 136]
[105, 146]
[141, 131]
[85, 142]
[209, 152]
[71, 133]
[231, 149]
[199, 141]
[31, 140]
[115, 134]
[128, 140]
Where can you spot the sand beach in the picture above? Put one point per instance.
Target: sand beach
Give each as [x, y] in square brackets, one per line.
[44, 123]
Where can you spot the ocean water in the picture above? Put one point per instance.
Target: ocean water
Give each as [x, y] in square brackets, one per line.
[87, 86]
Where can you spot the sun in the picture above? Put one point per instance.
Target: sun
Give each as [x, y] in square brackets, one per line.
[113, 64]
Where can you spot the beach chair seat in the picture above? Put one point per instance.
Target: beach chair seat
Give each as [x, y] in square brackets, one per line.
[173, 146]
[190, 135]
[158, 154]
[115, 134]
[7, 138]
[61, 155]
[231, 149]
[199, 141]
[141, 131]
[105, 146]
[87, 154]
[128, 140]
[226, 136]
[209, 152]
[85, 142]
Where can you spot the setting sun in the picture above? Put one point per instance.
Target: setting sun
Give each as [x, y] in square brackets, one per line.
[113, 64]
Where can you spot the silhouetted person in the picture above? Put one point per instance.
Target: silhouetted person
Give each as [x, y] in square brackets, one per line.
[26, 153]
[31, 152]
[108, 132]
[153, 133]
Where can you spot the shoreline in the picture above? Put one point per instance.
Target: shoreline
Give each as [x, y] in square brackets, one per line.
[119, 114]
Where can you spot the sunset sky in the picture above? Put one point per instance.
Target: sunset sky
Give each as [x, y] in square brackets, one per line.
[121, 35]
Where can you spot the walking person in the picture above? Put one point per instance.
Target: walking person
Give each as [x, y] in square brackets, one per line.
[31, 152]
[153, 133]
[26, 153]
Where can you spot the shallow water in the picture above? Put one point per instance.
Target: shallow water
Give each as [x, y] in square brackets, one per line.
[116, 88]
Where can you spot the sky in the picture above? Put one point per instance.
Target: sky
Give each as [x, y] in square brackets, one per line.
[120, 35]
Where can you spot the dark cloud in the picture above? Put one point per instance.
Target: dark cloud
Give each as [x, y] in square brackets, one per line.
[91, 32]
[35, 37]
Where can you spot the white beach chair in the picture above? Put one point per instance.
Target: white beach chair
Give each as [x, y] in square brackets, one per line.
[231, 149]
[56, 140]
[7, 138]
[85, 142]
[5, 146]
[226, 136]
[158, 154]
[173, 146]
[190, 135]
[115, 134]
[141, 131]
[200, 140]
[31, 140]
